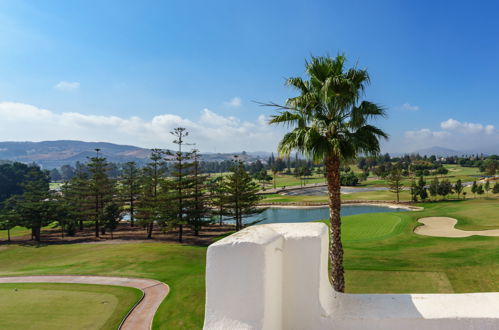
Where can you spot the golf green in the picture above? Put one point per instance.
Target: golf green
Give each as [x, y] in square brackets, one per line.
[43, 306]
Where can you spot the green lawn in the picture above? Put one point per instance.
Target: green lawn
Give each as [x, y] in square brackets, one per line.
[43, 306]
[182, 267]
[382, 255]
[401, 261]
[16, 231]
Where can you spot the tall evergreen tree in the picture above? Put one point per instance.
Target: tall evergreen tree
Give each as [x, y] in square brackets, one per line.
[102, 189]
[182, 182]
[149, 206]
[34, 208]
[76, 195]
[130, 187]
[218, 197]
[198, 210]
[395, 180]
[242, 195]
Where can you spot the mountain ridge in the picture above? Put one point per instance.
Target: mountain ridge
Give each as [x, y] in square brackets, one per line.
[55, 153]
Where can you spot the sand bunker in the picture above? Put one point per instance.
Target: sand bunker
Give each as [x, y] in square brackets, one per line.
[444, 227]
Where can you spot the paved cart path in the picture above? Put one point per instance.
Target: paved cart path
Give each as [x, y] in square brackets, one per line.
[139, 318]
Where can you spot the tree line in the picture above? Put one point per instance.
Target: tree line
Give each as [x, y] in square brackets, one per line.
[149, 197]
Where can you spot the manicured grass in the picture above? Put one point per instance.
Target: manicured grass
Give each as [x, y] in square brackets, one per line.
[20, 231]
[16, 231]
[382, 255]
[64, 306]
[378, 226]
[426, 264]
[182, 267]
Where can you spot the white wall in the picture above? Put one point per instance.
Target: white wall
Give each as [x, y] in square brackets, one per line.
[275, 277]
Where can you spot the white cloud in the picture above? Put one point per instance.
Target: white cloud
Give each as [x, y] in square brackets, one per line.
[235, 102]
[67, 86]
[467, 128]
[211, 131]
[425, 133]
[410, 107]
[456, 135]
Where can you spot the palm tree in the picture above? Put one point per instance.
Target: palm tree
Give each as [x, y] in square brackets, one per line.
[329, 124]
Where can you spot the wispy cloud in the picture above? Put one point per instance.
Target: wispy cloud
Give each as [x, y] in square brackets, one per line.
[210, 131]
[410, 107]
[235, 102]
[67, 86]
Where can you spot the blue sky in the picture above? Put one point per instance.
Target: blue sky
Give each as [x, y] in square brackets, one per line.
[128, 72]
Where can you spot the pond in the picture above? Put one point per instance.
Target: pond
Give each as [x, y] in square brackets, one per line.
[281, 214]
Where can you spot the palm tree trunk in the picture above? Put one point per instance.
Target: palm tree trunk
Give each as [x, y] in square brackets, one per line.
[335, 246]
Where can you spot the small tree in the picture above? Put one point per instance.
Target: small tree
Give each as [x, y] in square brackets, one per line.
[495, 190]
[8, 220]
[395, 180]
[130, 187]
[111, 216]
[414, 191]
[474, 188]
[458, 188]
[444, 188]
[242, 195]
[487, 187]
[479, 190]
[423, 194]
[198, 211]
[35, 207]
[275, 170]
[218, 197]
[434, 187]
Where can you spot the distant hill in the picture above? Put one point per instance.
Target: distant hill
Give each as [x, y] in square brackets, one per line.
[50, 154]
[438, 151]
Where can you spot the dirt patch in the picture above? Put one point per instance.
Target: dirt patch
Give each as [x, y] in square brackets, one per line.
[124, 233]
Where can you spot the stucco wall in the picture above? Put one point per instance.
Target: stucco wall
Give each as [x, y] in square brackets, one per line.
[275, 277]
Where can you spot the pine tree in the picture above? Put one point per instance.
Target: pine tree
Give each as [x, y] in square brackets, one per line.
[102, 189]
[76, 195]
[458, 188]
[395, 180]
[130, 187]
[181, 182]
[112, 215]
[242, 195]
[35, 207]
[149, 206]
[487, 187]
[474, 188]
[480, 190]
[495, 190]
[198, 211]
[434, 187]
[218, 196]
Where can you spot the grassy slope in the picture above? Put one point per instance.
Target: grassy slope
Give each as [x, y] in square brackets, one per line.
[59, 306]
